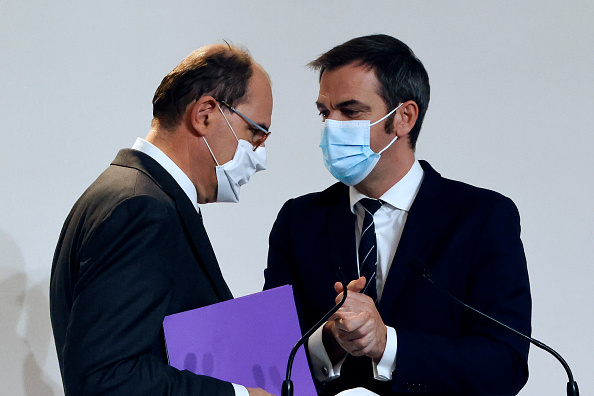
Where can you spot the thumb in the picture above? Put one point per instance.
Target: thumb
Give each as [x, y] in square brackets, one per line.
[354, 286]
[357, 285]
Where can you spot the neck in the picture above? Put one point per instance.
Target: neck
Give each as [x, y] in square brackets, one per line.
[180, 147]
[389, 170]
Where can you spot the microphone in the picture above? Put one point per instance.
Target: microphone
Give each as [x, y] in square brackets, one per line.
[420, 269]
[287, 388]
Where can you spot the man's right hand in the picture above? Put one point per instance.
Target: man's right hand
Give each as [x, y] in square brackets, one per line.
[357, 326]
[258, 392]
[331, 344]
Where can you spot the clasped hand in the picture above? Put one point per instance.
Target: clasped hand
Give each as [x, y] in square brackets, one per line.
[357, 326]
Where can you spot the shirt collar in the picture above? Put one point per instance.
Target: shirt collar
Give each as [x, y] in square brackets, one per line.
[401, 195]
[171, 167]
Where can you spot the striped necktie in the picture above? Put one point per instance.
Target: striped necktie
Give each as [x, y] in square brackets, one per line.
[367, 247]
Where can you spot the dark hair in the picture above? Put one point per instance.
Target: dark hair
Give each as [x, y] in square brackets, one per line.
[401, 74]
[222, 71]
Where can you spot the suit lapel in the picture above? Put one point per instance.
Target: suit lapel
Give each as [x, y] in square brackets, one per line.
[416, 236]
[191, 219]
[197, 233]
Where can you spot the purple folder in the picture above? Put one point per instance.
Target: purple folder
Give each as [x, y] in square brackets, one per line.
[246, 341]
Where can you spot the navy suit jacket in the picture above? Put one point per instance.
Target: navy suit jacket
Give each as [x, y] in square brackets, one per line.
[132, 251]
[468, 237]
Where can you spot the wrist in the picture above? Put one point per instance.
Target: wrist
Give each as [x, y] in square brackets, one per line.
[377, 353]
[333, 348]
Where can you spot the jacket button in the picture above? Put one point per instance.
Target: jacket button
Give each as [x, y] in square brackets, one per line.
[324, 371]
[418, 388]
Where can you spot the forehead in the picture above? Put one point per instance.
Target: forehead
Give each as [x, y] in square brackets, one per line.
[347, 83]
[259, 96]
[259, 88]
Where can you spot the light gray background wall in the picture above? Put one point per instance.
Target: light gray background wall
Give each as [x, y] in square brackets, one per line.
[511, 110]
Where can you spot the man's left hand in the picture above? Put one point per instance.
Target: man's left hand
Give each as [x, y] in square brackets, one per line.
[358, 326]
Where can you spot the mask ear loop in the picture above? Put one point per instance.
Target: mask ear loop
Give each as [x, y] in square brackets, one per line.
[387, 115]
[213, 156]
[207, 145]
[383, 118]
[225, 117]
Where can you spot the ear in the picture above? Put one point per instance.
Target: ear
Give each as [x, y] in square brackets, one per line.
[406, 118]
[200, 114]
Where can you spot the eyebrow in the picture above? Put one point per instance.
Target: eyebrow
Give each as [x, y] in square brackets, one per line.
[262, 126]
[347, 103]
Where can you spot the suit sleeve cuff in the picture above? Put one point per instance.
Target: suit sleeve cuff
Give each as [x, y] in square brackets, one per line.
[382, 371]
[240, 390]
[322, 367]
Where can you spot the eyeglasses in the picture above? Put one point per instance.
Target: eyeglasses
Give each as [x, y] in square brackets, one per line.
[259, 134]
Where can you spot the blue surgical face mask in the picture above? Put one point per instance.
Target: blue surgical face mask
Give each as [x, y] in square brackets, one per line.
[347, 153]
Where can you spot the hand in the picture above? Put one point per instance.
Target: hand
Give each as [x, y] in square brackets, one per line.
[258, 392]
[333, 348]
[357, 326]
[354, 286]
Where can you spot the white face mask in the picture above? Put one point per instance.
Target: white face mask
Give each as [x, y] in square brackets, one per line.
[235, 173]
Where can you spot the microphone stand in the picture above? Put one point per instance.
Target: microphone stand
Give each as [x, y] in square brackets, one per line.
[572, 387]
[287, 388]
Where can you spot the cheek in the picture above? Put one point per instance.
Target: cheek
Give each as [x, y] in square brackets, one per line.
[379, 138]
[244, 133]
[229, 151]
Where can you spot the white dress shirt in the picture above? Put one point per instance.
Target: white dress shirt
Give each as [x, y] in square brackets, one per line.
[186, 184]
[389, 223]
[171, 167]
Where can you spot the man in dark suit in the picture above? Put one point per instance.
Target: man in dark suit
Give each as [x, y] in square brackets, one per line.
[396, 333]
[134, 249]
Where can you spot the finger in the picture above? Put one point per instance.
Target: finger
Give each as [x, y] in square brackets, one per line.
[345, 336]
[356, 324]
[357, 302]
[338, 298]
[372, 343]
[338, 287]
[359, 346]
[340, 316]
[354, 286]
[355, 347]
[363, 350]
[357, 285]
[343, 315]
